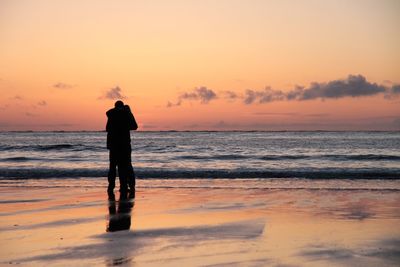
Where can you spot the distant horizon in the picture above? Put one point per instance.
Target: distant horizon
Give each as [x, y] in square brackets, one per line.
[149, 131]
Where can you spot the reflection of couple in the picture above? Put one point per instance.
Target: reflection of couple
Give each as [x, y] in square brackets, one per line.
[119, 216]
[119, 123]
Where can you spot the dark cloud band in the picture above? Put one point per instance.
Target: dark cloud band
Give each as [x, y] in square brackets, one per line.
[352, 86]
[202, 94]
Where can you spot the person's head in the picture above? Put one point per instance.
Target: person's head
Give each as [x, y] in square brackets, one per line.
[119, 104]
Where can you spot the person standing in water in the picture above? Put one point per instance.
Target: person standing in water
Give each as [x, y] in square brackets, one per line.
[120, 121]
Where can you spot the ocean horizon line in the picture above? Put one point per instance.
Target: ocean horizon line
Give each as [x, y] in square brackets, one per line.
[205, 131]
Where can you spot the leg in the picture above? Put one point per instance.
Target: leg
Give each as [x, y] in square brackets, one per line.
[123, 183]
[131, 173]
[123, 170]
[131, 178]
[112, 172]
[131, 181]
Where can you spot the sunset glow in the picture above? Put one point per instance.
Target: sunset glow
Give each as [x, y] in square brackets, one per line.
[201, 65]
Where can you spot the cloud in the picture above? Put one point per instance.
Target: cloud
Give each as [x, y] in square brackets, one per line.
[230, 95]
[202, 94]
[42, 103]
[3, 107]
[393, 91]
[292, 114]
[318, 115]
[17, 97]
[352, 86]
[61, 85]
[265, 96]
[113, 93]
[33, 125]
[276, 113]
[388, 82]
[396, 89]
[170, 104]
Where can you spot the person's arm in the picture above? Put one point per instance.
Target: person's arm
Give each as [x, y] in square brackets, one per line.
[108, 124]
[133, 123]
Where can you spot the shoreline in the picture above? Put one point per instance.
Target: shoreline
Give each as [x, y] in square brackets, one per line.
[215, 183]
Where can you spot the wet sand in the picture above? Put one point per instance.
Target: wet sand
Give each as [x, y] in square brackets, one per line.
[199, 227]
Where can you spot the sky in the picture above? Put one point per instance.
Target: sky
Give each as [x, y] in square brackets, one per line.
[201, 65]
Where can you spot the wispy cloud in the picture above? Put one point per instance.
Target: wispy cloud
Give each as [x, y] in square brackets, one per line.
[291, 114]
[61, 85]
[395, 90]
[33, 125]
[317, 115]
[201, 94]
[42, 103]
[353, 86]
[170, 104]
[276, 113]
[17, 97]
[3, 107]
[113, 93]
[230, 95]
[29, 114]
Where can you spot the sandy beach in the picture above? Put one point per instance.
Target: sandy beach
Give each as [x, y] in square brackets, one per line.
[195, 226]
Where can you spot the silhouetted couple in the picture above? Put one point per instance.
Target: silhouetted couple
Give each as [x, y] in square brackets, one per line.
[119, 124]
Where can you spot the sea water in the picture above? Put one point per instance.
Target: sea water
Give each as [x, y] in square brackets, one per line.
[253, 156]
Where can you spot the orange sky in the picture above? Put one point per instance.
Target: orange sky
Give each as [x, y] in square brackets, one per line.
[58, 60]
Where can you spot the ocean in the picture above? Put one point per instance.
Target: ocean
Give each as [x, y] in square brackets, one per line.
[81, 158]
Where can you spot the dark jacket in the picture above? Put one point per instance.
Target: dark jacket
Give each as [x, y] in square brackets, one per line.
[119, 123]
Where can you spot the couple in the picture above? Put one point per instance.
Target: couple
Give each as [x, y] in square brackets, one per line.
[120, 121]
